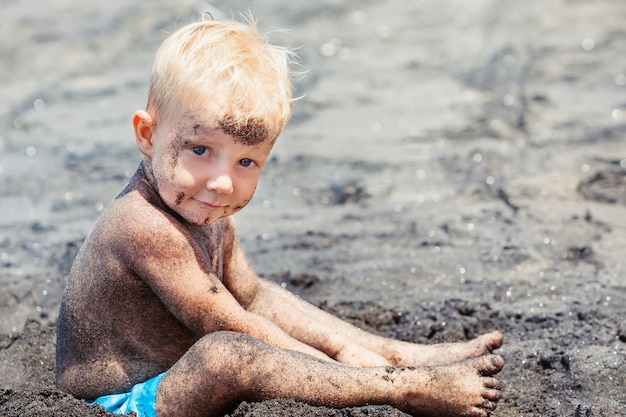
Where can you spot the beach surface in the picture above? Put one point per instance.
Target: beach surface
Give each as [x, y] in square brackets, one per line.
[451, 168]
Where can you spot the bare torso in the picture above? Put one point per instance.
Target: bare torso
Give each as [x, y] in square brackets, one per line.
[113, 329]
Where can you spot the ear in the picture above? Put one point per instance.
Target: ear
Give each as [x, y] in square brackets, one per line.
[144, 132]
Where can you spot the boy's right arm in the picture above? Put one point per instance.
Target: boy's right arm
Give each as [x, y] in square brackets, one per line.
[164, 257]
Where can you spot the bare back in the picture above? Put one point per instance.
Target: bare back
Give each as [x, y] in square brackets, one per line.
[114, 331]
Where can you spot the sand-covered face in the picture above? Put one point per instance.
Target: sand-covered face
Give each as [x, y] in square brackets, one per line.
[206, 168]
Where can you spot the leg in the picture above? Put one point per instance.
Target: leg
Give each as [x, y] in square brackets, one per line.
[223, 369]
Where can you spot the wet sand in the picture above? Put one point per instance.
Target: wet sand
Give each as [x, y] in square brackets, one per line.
[452, 168]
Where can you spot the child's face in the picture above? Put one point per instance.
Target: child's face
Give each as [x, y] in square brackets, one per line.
[201, 172]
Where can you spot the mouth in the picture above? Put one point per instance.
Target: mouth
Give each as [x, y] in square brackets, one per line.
[210, 205]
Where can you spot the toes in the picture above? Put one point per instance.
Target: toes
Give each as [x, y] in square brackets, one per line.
[495, 340]
[492, 383]
[491, 364]
[492, 394]
[488, 405]
[497, 362]
[484, 408]
[479, 412]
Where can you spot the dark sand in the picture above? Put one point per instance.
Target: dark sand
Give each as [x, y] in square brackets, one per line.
[455, 167]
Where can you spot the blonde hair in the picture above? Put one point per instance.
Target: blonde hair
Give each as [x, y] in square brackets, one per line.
[229, 65]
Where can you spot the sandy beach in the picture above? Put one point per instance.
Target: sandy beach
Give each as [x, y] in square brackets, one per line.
[451, 168]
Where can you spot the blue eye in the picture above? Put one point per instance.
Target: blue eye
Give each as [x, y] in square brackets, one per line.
[246, 163]
[199, 150]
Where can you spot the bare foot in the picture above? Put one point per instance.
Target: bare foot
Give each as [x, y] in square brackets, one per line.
[446, 353]
[461, 389]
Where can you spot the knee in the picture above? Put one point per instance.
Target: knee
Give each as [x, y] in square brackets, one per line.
[225, 348]
[231, 358]
[210, 376]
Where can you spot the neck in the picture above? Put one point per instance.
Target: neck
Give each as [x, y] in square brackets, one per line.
[146, 167]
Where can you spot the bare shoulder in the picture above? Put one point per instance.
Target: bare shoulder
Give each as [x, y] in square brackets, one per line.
[134, 225]
[140, 229]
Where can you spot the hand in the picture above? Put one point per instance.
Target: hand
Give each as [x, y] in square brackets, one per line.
[359, 356]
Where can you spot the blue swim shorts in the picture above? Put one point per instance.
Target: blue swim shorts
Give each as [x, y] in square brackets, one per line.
[141, 399]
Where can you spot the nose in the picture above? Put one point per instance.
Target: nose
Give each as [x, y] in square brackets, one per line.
[222, 184]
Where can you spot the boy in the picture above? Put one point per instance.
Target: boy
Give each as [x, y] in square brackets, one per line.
[162, 314]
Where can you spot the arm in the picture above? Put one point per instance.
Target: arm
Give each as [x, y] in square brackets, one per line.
[300, 319]
[338, 339]
[174, 265]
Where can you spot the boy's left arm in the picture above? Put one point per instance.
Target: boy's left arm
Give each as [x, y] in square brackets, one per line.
[338, 339]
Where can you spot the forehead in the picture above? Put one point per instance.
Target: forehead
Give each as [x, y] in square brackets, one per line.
[250, 132]
[246, 130]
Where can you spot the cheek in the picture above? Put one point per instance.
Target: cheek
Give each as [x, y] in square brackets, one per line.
[162, 168]
[181, 175]
[175, 184]
[245, 198]
[184, 179]
[247, 189]
[240, 206]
